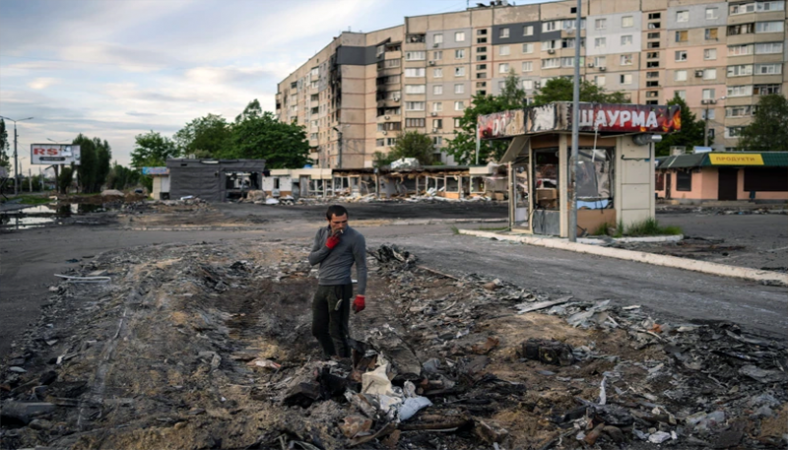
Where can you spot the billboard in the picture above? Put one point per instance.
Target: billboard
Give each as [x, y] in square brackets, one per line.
[49, 154]
[627, 118]
[502, 124]
[155, 171]
[593, 117]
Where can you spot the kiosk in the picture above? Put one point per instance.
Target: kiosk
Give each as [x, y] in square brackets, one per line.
[615, 174]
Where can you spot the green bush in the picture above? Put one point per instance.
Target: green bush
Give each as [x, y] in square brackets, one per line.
[650, 227]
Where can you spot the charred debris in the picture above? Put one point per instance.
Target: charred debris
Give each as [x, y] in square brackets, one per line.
[208, 346]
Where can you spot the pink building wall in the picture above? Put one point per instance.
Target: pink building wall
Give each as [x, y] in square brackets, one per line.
[705, 186]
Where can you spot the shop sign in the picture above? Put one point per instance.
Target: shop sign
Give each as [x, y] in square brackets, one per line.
[155, 171]
[629, 118]
[502, 124]
[753, 159]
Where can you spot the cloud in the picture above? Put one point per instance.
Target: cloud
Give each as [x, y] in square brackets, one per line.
[42, 83]
[117, 69]
[126, 57]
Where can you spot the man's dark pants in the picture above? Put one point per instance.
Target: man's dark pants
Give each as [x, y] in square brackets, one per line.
[330, 318]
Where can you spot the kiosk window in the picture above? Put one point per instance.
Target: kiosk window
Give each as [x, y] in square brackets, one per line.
[546, 179]
[594, 174]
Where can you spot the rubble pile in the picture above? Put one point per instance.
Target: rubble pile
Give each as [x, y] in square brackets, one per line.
[726, 210]
[423, 197]
[209, 346]
[188, 203]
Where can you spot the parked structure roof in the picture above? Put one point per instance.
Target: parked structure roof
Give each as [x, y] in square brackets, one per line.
[759, 159]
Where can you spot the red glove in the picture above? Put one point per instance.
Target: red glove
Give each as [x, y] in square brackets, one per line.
[358, 304]
[332, 241]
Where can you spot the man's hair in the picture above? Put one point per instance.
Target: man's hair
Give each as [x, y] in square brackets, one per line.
[336, 210]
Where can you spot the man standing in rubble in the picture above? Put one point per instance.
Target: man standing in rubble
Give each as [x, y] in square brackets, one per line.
[336, 248]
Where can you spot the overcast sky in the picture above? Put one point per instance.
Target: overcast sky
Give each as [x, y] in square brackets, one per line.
[117, 68]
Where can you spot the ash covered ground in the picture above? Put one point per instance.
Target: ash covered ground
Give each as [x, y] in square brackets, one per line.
[208, 345]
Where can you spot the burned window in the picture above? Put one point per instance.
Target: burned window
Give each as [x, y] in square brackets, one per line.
[546, 179]
[767, 179]
[684, 181]
[659, 181]
[594, 177]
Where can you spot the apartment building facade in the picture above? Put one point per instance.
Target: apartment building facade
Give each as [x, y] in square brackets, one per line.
[362, 90]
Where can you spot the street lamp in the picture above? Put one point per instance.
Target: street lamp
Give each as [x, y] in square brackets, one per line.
[16, 167]
[708, 102]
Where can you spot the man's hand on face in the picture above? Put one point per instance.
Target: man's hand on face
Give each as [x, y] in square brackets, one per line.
[333, 240]
[337, 225]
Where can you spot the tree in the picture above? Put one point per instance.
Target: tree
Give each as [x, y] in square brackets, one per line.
[562, 90]
[103, 157]
[463, 146]
[205, 137]
[380, 159]
[94, 163]
[86, 171]
[65, 178]
[259, 135]
[4, 162]
[121, 177]
[252, 111]
[691, 134]
[413, 144]
[512, 92]
[152, 149]
[769, 128]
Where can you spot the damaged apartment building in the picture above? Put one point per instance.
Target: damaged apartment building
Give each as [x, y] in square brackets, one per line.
[357, 94]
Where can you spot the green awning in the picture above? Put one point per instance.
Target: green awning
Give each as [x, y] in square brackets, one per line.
[724, 159]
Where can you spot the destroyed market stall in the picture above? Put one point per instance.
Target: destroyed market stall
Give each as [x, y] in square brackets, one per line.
[615, 174]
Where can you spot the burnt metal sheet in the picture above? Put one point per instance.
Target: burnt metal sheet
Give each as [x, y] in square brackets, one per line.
[546, 222]
[206, 179]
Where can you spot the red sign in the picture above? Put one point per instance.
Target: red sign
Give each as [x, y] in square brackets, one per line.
[502, 124]
[51, 151]
[628, 118]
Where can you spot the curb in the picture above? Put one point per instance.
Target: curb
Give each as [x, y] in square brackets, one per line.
[629, 240]
[647, 258]
[440, 221]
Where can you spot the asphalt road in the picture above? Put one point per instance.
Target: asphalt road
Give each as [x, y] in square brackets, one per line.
[670, 293]
[764, 237]
[28, 260]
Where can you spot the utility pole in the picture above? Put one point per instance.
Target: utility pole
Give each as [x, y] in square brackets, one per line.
[575, 130]
[16, 163]
[478, 144]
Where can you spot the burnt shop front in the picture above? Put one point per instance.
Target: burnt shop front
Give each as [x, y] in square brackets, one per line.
[615, 170]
